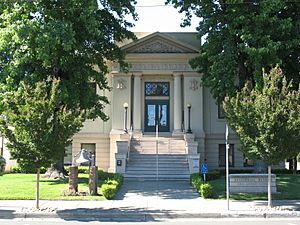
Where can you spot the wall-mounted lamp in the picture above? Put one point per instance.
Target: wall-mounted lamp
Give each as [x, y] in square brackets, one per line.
[189, 106]
[125, 105]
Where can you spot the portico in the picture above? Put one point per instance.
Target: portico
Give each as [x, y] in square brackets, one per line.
[159, 83]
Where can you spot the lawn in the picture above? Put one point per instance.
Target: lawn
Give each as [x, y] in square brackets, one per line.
[22, 187]
[287, 188]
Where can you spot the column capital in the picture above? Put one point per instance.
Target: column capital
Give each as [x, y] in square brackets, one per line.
[177, 74]
[137, 74]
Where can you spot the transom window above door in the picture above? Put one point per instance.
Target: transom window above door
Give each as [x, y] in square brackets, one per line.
[157, 89]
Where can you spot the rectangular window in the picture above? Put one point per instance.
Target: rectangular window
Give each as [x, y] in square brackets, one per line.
[68, 155]
[90, 147]
[222, 155]
[221, 113]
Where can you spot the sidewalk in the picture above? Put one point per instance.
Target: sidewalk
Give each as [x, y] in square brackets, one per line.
[148, 201]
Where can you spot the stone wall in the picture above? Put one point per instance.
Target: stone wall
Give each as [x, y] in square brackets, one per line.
[251, 183]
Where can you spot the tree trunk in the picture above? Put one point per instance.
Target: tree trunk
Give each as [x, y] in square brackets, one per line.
[56, 171]
[37, 199]
[269, 187]
[294, 161]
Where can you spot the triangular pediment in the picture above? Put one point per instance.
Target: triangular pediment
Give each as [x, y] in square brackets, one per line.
[158, 43]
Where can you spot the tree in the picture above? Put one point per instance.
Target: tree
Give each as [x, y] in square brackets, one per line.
[37, 132]
[68, 40]
[267, 121]
[241, 38]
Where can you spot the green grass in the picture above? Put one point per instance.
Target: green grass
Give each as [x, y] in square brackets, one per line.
[287, 188]
[23, 187]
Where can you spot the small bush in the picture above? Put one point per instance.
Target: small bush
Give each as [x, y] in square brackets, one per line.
[81, 169]
[283, 171]
[15, 169]
[111, 185]
[23, 168]
[109, 191]
[102, 175]
[213, 175]
[196, 181]
[206, 190]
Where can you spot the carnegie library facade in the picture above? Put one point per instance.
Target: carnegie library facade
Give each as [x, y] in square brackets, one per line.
[163, 122]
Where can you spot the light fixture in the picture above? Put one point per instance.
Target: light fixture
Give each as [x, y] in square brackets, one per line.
[125, 105]
[189, 106]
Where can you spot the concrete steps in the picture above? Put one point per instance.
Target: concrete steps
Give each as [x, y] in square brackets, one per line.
[168, 162]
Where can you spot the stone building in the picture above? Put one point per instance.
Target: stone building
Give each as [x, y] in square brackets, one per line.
[160, 88]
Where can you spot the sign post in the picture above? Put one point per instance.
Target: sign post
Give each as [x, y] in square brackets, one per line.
[204, 171]
[227, 165]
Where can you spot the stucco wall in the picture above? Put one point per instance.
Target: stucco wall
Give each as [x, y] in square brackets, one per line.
[102, 147]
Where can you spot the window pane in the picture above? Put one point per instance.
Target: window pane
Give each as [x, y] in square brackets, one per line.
[221, 113]
[157, 89]
[151, 115]
[91, 147]
[222, 155]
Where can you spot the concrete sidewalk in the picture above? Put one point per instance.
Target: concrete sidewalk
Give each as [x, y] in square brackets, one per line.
[148, 201]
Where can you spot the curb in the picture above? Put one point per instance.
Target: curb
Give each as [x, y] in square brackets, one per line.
[143, 216]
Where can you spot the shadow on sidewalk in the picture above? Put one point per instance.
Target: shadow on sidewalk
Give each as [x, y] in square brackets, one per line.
[291, 205]
[160, 189]
[122, 214]
[7, 214]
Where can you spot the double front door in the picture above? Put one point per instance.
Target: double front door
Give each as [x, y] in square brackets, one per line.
[157, 112]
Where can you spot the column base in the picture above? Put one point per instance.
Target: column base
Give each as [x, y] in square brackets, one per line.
[137, 133]
[177, 133]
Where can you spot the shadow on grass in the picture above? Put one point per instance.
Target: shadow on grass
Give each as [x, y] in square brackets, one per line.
[82, 180]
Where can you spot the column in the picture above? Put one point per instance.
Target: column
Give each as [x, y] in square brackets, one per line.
[137, 103]
[177, 103]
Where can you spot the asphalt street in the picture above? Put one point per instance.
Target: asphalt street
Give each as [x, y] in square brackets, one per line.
[166, 222]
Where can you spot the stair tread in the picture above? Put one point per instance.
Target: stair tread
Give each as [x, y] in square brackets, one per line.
[169, 152]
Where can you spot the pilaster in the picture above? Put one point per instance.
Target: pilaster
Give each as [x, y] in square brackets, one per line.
[137, 102]
[177, 104]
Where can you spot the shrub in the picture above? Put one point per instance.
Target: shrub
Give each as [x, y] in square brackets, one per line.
[2, 165]
[25, 168]
[283, 171]
[206, 190]
[109, 191]
[102, 175]
[196, 181]
[111, 185]
[15, 169]
[213, 175]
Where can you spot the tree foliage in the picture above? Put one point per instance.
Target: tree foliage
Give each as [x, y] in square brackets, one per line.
[241, 38]
[70, 39]
[50, 53]
[267, 121]
[37, 132]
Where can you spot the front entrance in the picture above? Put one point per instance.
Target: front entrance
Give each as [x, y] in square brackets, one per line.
[157, 112]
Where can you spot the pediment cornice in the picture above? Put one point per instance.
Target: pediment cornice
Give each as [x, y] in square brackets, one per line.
[158, 43]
